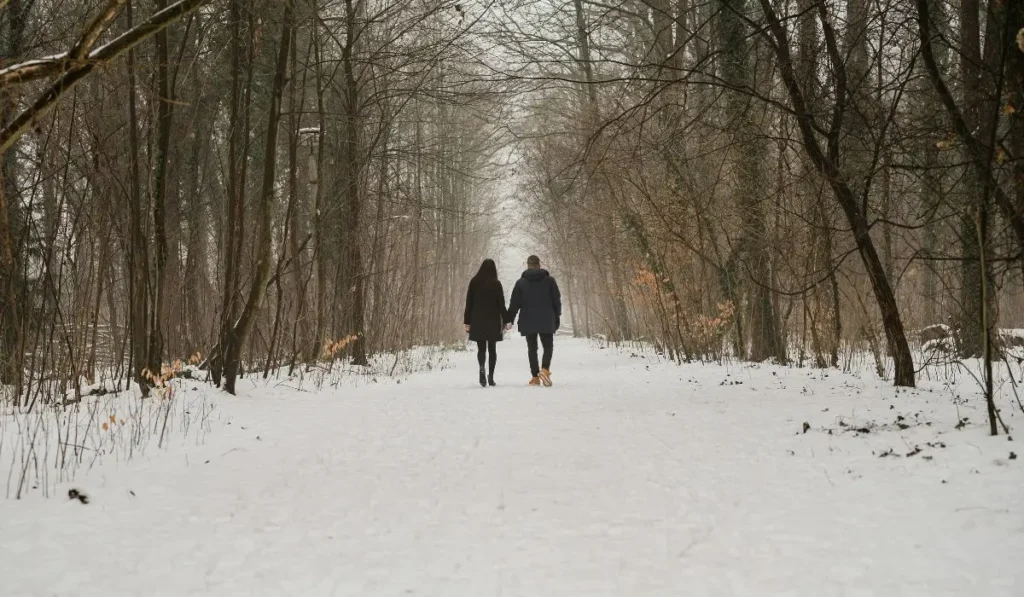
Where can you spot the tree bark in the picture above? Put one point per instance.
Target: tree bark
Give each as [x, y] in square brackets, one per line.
[160, 163]
[11, 328]
[231, 246]
[355, 280]
[138, 257]
[1015, 98]
[297, 198]
[257, 290]
[319, 224]
[737, 70]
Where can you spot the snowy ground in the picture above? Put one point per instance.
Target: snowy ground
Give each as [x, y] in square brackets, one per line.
[629, 477]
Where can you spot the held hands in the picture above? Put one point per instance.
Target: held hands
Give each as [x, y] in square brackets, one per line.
[467, 328]
[508, 327]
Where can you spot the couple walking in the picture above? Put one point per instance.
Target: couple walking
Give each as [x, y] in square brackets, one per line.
[535, 299]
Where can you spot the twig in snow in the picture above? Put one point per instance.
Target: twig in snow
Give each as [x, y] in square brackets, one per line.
[1013, 383]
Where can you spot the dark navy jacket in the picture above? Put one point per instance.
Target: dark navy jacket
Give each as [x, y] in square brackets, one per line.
[537, 301]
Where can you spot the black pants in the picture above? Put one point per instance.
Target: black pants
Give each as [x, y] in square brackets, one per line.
[482, 346]
[548, 341]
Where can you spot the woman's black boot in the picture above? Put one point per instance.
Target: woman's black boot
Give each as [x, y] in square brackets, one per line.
[490, 379]
[483, 378]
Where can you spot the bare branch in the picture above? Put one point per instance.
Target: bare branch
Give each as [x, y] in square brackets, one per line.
[95, 29]
[128, 40]
[976, 150]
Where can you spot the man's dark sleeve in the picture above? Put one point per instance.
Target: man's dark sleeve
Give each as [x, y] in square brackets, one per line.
[556, 298]
[514, 304]
[469, 305]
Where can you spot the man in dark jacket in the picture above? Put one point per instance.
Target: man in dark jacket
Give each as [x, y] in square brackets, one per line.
[539, 304]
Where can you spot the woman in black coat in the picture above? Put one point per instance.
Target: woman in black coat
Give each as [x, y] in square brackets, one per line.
[485, 316]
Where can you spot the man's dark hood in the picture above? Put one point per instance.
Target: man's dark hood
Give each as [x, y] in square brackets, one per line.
[535, 275]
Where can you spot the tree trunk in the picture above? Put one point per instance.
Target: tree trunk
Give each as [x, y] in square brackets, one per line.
[234, 228]
[11, 343]
[319, 231]
[11, 328]
[829, 166]
[1015, 97]
[737, 70]
[355, 279]
[160, 161]
[242, 328]
[138, 256]
[297, 198]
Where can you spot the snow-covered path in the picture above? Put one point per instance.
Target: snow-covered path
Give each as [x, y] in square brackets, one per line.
[629, 477]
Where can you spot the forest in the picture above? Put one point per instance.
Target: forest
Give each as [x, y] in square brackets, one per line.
[256, 186]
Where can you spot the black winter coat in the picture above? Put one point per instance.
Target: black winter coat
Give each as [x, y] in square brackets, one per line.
[537, 301]
[485, 310]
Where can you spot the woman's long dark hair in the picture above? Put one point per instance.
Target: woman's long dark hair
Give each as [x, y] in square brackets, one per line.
[488, 272]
